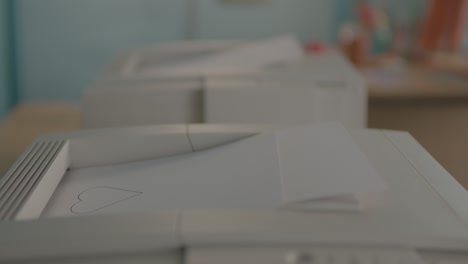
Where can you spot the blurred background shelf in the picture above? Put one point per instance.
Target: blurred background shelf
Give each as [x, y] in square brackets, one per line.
[417, 83]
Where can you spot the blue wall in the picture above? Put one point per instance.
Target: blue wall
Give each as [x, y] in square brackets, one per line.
[305, 18]
[4, 95]
[64, 43]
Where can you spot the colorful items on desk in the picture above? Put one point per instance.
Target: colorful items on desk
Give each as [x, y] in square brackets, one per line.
[375, 22]
[354, 43]
[370, 33]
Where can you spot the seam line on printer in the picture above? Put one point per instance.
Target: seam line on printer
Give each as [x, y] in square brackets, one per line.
[278, 157]
[423, 178]
[178, 228]
[187, 132]
[203, 93]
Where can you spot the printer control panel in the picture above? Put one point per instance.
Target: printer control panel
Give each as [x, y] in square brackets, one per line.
[351, 256]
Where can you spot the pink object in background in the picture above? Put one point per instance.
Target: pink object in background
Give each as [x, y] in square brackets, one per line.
[365, 14]
[315, 47]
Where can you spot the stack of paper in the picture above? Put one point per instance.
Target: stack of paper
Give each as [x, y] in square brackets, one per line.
[254, 55]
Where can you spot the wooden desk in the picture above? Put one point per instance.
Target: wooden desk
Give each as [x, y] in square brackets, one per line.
[420, 83]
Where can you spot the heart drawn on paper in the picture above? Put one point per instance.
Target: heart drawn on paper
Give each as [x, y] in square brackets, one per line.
[97, 198]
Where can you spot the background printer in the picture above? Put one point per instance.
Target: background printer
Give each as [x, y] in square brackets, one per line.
[200, 82]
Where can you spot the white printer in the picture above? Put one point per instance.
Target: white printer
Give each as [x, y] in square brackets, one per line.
[231, 194]
[226, 81]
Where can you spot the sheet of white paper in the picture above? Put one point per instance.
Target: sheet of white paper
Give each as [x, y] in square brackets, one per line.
[243, 174]
[267, 171]
[258, 54]
[323, 161]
